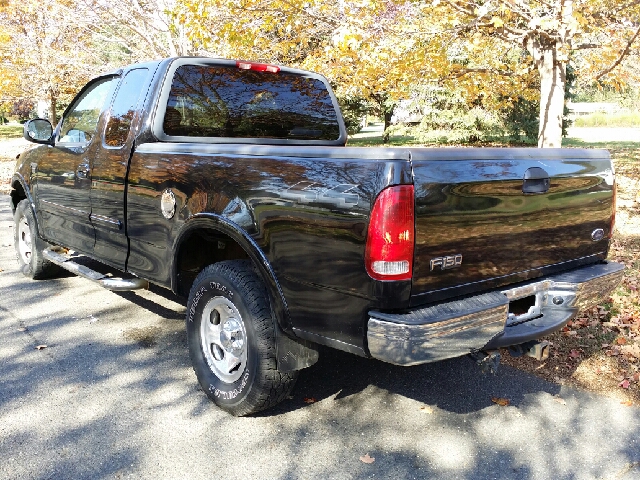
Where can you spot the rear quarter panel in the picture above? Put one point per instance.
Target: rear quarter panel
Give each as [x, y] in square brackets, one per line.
[306, 208]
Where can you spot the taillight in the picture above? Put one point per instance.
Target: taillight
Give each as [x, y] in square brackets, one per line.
[613, 209]
[390, 238]
[258, 67]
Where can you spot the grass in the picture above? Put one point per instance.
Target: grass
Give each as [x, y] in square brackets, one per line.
[376, 141]
[611, 146]
[601, 119]
[10, 131]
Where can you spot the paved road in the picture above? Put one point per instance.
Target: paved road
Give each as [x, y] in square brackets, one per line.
[113, 396]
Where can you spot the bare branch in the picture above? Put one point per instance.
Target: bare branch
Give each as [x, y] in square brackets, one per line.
[624, 53]
[626, 6]
[466, 71]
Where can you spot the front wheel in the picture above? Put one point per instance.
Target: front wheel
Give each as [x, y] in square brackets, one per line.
[231, 339]
[29, 246]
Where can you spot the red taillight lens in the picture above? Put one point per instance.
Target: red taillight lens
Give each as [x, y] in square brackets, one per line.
[258, 67]
[613, 209]
[390, 238]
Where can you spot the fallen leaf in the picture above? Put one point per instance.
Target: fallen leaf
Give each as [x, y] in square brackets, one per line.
[367, 459]
[561, 401]
[624, 383]
[426, 409]
[631, 350]
[503, 402]
[309, 400]
[628, 403]
[41, 347]
[574, 353]
[621, 341]
[636, 377]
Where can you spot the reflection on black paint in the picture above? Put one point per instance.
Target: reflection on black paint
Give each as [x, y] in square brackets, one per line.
[216, 101]
[123, 108]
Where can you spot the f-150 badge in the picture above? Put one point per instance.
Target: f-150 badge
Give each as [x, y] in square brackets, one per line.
[445, 263]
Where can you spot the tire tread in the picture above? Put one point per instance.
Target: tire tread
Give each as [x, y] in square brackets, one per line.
[270, 386]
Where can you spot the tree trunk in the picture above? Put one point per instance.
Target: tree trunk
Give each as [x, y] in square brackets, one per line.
[387, 123]
[551, 65]
[53, 113]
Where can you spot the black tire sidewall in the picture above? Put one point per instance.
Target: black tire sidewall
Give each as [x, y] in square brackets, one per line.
[210, 285]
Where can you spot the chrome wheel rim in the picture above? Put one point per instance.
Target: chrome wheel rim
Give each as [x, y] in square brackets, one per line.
[24, 240]
[223, 339]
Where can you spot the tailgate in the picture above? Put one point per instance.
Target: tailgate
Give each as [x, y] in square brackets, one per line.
[476, 229]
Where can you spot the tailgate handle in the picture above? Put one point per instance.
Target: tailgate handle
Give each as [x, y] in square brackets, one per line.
[536, 180]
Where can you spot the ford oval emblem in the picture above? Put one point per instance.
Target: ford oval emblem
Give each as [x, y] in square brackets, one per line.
[597, 234]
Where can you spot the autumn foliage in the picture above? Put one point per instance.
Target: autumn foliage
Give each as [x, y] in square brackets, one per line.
[494, 52]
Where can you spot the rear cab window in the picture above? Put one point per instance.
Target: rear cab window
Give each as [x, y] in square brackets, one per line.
[219, 102]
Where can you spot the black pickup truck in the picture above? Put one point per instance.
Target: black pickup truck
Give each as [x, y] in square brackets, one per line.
[230, 183]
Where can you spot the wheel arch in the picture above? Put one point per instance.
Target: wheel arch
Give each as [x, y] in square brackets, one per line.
[292, 353]
[19, 191]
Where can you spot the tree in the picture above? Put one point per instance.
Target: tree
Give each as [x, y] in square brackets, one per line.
[490, 48]
[22, 109]
[142, 30]
[551, 31]
[49, 50]
[358, 46]
[48, 55]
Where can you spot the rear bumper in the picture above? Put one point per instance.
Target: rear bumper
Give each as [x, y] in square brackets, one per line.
[482, 322]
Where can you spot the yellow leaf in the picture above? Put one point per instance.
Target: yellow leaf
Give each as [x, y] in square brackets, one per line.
[497, 22]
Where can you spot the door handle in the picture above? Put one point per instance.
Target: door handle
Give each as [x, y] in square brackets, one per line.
[535, 180]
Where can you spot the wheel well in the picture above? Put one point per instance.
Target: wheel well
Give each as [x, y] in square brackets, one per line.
[17, 194]
[201, 248]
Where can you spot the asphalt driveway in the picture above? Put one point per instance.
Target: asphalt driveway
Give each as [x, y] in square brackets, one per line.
[95, 384]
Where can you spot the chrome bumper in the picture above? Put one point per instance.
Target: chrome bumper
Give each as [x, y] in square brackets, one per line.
[483, 322]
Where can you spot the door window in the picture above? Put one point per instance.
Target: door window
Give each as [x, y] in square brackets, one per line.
[81, 121]
[124, 107]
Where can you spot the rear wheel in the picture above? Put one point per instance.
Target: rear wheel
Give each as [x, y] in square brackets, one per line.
[29, 246]
[232, 339]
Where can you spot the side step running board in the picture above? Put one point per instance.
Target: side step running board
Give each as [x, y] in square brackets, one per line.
[110, 283]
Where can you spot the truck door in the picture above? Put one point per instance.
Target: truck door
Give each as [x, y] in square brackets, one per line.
[109, 171]
[63, 177]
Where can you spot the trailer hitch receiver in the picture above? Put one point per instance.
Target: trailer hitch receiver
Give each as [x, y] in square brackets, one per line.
[538, 350]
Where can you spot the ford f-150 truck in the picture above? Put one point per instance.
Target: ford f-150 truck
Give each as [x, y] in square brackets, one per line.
[231, 184]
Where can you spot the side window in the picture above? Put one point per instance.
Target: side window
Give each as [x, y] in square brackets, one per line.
[81, 121]
[124, 107]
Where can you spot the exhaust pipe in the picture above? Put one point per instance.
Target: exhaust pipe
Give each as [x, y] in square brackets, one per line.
[488, 361]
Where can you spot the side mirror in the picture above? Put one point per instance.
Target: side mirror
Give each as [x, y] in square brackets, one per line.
[38, 130]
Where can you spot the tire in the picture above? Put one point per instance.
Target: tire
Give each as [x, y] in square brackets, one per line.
[29, 246]
[231, 338]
